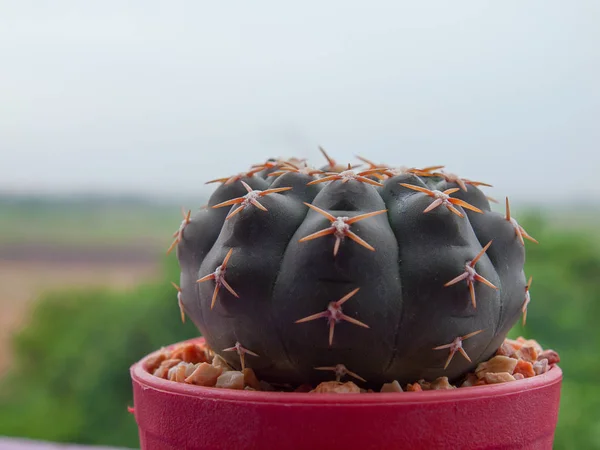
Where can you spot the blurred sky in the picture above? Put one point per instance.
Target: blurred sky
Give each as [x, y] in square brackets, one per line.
[158, 97]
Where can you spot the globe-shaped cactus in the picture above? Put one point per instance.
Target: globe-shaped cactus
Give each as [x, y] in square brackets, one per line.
[386, 274]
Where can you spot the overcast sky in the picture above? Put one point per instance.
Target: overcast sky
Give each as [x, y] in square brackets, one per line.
[158, 97]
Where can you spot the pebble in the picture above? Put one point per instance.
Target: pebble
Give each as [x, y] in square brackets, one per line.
[550, 355]
[441, 383]
[220, 363]
[191, 353]
[414, 387]
[496, 365]
[336, 387]
[425, 385]
[204, 375]
[161, 372]
[500, 377]
[540, 367]
[250, 379]
[527, 353]
[471, 380]
[181, 371]
[232, 379]
[154, 362]
[394, 386]
[524, 368]
[506, 349]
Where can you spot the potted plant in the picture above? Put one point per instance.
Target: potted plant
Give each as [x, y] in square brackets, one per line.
[367, 281]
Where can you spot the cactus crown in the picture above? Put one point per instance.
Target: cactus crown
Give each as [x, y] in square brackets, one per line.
[376, 272]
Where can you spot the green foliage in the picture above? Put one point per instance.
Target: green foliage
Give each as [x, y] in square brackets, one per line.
[563, 315]
[70, 381]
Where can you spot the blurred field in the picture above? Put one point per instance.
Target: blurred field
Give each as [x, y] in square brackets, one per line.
[85, 221]
[59, 243]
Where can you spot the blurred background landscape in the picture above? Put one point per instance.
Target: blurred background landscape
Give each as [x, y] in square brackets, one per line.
[114, 116]
[84, 292]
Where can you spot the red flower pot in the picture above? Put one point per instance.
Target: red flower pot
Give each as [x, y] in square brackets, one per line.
[178, 416]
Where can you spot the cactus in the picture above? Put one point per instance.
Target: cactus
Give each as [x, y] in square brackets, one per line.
[377, 272]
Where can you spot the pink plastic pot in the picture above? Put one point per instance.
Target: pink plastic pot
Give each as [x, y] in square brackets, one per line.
[516, 415]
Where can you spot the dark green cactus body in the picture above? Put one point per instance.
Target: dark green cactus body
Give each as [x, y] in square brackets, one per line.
[402, 297]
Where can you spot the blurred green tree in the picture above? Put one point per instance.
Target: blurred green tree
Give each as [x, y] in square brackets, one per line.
[563, 315]
[70, 380]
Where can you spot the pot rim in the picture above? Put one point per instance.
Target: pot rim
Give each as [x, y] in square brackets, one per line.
[148, 381]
